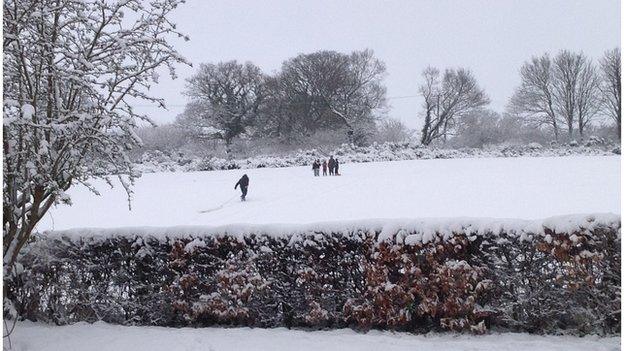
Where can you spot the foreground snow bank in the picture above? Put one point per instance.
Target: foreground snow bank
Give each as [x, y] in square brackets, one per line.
[104, 337]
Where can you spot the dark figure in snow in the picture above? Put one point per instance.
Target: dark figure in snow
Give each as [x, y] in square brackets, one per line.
[336, 164]
[315, 167]
[324, 167]
[331, 164]
[244, 183]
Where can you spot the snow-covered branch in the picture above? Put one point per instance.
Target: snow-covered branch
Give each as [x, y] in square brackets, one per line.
[71, 70]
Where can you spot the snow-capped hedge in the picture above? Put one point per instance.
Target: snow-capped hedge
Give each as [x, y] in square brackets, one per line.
[559, 274]
[157, 161]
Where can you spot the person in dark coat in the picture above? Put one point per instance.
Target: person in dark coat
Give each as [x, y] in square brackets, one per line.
[244, 183]
[336, 163]
[315, 167]
[331, 165]
[324, 167]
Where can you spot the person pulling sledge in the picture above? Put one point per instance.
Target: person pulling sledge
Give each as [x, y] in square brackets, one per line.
[244, 183]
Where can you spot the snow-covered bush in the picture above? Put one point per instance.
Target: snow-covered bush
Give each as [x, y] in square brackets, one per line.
[349, 153]
[548, 276]
[594, 140]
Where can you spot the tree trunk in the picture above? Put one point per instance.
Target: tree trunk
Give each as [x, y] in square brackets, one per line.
[581, 127]
[424, 139]
[228, 147]
[570, 124]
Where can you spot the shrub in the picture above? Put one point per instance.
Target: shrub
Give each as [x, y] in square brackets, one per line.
[539, 277]
[156, 161]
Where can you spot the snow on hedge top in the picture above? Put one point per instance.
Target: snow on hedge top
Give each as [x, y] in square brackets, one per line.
[408, 231]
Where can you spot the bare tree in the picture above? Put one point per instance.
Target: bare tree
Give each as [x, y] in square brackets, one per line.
[479, 128]
[561, 90]
[611, 86]
[587, 96]
[330, 90]
[534, 99]
[225, 98]
[447, 99]
[362, 91]
[567, 68]
[167, 137]
[276, 118]
[429, 91]
[393, 130]
[307, 81]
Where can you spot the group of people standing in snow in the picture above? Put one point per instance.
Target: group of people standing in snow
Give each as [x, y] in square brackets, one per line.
[331, 165]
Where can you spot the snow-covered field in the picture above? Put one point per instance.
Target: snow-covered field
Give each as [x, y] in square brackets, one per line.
[528, 188]
[102, 337]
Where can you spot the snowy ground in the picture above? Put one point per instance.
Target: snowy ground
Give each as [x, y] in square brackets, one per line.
[528, 188]
[102, 337]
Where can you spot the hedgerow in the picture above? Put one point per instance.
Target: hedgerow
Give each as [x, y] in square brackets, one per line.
[538, 279]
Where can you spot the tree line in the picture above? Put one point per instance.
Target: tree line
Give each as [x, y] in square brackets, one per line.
[328, 90]
[557, 95]
[566, 92]
[324, 90]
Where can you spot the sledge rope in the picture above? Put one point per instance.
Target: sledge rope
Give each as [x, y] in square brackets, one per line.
[220, 206]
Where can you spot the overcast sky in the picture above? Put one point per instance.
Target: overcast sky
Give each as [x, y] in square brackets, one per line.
[492, 38]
